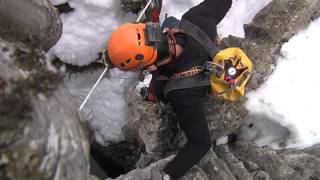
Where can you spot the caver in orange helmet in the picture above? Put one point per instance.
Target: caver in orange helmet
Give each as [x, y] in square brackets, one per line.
[127, 48]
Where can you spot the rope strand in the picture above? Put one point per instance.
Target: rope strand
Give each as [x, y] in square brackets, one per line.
[107, 67]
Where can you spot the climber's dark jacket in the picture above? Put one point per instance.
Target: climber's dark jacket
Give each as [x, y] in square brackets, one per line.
[187, 97]
[206, 15]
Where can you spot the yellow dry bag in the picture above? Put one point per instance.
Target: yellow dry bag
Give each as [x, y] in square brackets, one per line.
[231, 73]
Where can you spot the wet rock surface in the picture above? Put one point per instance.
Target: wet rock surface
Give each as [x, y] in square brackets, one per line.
[35, 22]
[41, 135]
[155, 127]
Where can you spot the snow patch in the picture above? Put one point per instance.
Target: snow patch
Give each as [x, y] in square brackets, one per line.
[86, 29]
[290, 96]
[263, 130]
[222, 140]
[106, 109]
[177, 8]
[241, 12]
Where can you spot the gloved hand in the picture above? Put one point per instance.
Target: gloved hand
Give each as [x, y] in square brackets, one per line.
[147, 94]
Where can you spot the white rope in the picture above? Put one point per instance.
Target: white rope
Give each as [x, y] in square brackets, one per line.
[144, 10]
[105, 70]
[94, 86]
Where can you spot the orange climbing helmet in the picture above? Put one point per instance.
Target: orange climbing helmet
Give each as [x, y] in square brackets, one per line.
[129, 47]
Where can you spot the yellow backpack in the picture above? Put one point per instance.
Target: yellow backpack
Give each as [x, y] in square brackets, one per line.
[230, 69]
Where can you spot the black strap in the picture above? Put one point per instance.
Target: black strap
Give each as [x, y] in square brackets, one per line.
[199, 35]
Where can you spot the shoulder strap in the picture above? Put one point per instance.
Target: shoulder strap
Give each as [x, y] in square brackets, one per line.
[199, 35]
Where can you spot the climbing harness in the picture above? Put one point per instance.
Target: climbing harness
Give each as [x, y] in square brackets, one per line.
[190, 72]
[229, 71]
[106, 64]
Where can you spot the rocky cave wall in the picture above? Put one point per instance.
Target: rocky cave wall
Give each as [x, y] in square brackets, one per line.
[41, 136]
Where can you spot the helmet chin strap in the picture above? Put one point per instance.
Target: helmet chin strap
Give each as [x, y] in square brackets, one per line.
[172, 49]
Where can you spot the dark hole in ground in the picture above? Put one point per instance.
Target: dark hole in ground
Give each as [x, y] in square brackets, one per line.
[64, 8]
[117, 158]
[102, 166]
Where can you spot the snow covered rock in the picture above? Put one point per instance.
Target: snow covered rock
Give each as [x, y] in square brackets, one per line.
[87, 28]
[35, 22]
[41, 136]
[106, 110]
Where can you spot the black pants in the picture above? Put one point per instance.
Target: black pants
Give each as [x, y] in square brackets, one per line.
[187, 104]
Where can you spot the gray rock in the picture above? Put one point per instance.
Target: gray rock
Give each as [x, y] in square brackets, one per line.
[215, 167]
[224, 117]
[35, 22]
[251, 166]
[268, 160]
[314, 150]
[306, 164]
[147, 173]
[131, 5]
[236, 166]
[210, 167]
[261, 175]
[41, 136]
[282, 164]
[154, 123]
[195, 173]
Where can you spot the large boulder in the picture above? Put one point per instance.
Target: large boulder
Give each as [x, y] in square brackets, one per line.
[35, 22]
[41, 136]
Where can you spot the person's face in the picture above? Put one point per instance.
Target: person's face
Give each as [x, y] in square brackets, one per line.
[167, 59]
[164, 60]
